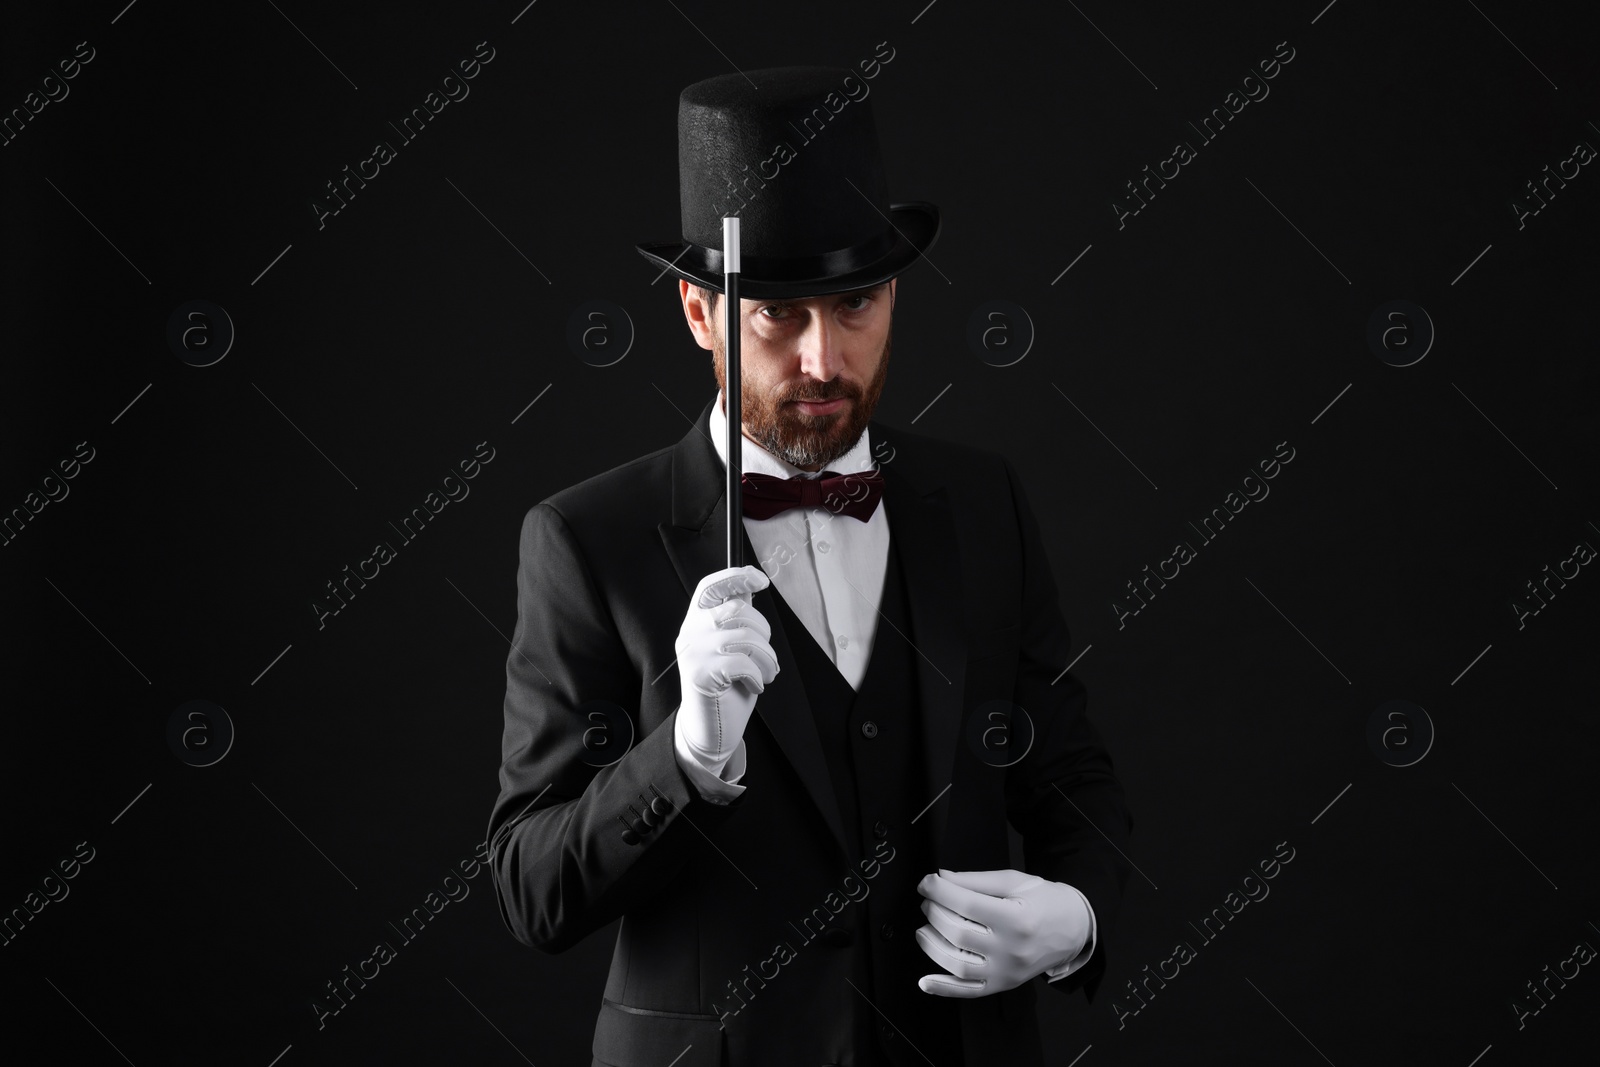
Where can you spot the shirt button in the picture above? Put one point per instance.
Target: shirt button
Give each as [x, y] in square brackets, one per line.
[880, 829]
[887, 930]
[822, 546]
[869, 729]
[844, 642]
[887, 1031]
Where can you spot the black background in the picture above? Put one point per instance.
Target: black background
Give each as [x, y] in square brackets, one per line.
[1177, 352]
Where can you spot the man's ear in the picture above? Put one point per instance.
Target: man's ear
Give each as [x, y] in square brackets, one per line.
[698, 313]
[892, 283]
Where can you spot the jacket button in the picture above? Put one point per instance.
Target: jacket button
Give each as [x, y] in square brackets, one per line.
[880, 829]
[630, 837]
[838, 936]
[887, 1031]
[660, 806]
[649, 817]
[869, 729]
[887, 930]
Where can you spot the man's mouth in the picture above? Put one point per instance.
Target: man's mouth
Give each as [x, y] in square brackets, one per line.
[820, 407]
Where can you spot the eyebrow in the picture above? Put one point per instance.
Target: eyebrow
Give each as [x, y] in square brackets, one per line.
[846, 295]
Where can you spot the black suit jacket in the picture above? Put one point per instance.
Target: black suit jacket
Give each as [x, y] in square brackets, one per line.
[596, 819]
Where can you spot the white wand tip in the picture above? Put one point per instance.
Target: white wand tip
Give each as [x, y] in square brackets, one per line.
[730, 244]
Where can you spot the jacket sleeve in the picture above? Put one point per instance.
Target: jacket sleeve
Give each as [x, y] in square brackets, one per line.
[581, 833]
[1063, 797]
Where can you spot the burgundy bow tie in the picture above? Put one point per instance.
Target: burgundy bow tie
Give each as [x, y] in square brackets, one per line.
[856, 495]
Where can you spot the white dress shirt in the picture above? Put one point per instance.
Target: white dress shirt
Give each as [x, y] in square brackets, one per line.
[830, 569]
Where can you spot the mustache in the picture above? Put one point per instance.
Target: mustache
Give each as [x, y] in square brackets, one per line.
[816, 396]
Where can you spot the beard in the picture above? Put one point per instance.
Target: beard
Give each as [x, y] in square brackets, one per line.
[800, 439]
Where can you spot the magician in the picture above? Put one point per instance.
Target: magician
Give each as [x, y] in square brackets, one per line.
[792, 782]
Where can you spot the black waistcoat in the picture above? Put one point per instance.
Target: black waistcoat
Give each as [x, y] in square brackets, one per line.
[872, 741]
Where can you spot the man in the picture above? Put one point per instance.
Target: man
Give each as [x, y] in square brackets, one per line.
[792, 781]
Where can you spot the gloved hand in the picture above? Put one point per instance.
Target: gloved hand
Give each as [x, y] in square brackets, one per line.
[994, 930]
[725, 661]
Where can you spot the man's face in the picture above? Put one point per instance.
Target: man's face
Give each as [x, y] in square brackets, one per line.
[822, 349]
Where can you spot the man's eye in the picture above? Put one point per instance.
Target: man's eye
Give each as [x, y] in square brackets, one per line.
[779, 308]
[864, 301]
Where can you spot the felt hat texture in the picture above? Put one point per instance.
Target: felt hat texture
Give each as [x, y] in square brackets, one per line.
[793, 154]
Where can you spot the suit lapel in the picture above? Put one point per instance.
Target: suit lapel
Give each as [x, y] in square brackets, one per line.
[921, 525]
[924, 534]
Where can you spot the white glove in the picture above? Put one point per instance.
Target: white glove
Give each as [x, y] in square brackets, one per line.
[725, 661]
[994, 930]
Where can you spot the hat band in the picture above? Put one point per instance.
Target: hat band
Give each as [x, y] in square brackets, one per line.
[804, 268]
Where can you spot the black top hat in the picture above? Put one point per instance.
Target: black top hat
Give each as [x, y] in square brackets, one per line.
[795, 157]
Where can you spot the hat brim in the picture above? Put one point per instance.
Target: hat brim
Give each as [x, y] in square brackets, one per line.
[916, 227]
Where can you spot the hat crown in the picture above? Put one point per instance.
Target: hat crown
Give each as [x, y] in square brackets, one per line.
[792, 151]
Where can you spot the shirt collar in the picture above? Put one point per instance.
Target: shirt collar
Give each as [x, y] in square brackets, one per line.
[755, 459]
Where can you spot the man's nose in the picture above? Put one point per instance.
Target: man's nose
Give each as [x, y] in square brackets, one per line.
[821, 351]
